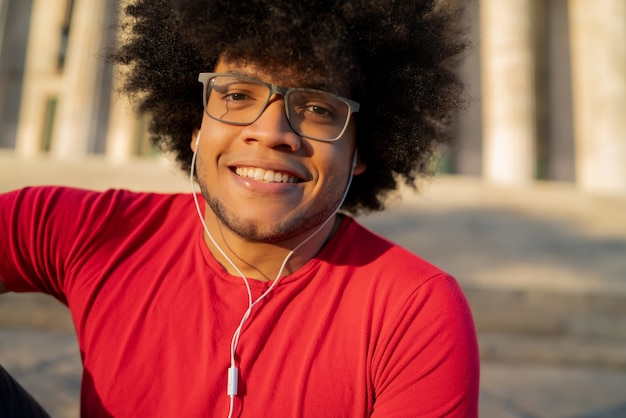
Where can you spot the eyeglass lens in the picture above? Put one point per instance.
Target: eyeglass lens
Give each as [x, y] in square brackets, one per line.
[311, 113]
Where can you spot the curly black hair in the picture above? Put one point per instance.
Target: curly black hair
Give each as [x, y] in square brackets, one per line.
[395, 57]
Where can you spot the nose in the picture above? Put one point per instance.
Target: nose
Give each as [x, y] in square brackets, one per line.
[272, 127]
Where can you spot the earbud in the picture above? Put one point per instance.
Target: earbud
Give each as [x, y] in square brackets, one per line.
[354, 159]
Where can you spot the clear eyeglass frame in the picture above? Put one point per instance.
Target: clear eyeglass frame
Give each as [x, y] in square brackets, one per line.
[352, 107]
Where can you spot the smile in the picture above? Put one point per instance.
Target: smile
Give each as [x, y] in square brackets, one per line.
[268, 176]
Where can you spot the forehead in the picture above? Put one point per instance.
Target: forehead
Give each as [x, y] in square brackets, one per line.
[282, 75]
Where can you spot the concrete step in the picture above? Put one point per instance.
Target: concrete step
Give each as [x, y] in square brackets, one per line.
[552, 350]
[585, 316]
[34, 311]
[550, 328]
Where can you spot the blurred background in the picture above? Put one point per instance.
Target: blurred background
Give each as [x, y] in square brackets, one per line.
[529, 212]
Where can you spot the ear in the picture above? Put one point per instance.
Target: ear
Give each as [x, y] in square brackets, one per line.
[195, 137]
[358, 166]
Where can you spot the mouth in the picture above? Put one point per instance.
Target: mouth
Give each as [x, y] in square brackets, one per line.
[266, 176]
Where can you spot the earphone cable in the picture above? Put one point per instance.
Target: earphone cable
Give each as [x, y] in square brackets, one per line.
[233, 371]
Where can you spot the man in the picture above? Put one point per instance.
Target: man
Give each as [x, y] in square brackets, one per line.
[263, 300]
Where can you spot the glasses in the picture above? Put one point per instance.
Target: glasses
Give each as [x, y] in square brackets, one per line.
[240, 100]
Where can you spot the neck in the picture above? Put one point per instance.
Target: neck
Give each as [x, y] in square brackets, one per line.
[263, 260]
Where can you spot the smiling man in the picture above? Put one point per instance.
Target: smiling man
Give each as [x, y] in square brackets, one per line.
[261, 295]
[273, 164]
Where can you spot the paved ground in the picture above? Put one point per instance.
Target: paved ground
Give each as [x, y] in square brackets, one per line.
[543, 267]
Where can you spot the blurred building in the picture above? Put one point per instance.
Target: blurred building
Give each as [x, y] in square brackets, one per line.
[546, 87]
[58, 92]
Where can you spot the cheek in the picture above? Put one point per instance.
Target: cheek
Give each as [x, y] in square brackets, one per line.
[335, 168]
[214, 136]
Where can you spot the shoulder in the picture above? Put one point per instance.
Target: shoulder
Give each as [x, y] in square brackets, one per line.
[66, 208]
[391, 283]
[360, 247]
[69, 198]
[411, 305]
[388, 277]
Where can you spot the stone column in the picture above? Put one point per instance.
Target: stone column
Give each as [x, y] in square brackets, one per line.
[122, 131]
[508, 95]
[598, 50]
[4, 6]
[41, 75]
[81, 80]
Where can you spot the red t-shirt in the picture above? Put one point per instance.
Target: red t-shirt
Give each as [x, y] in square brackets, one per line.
[363, 329]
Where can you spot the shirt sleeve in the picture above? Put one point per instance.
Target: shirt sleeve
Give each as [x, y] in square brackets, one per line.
[41, 229]
[428, 364]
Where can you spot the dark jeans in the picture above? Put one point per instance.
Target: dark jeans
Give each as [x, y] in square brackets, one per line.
[15, 402]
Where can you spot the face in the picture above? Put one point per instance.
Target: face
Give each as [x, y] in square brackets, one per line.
[263, 181]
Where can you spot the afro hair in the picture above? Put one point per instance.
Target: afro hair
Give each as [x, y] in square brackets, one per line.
[396, 57]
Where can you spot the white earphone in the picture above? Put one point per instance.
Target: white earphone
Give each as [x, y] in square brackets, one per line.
[233, 371]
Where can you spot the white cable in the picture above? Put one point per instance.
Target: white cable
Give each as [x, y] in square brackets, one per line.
[232, 370]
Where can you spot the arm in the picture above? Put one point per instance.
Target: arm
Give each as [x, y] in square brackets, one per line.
[429, 366]
[31, 221]
[44, 231]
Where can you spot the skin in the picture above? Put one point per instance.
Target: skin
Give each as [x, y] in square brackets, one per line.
[257, 222]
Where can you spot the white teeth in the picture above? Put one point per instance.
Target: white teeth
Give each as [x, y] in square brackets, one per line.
[269, 176]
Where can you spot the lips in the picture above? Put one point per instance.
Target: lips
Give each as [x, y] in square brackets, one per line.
[267, 176]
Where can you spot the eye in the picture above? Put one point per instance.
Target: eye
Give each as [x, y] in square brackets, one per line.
[317, 106]
[320, 110]
[235, 96]
[234, 89]
[313, 108]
